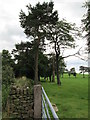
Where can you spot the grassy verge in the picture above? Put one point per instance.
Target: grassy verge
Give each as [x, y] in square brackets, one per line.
[71, 98]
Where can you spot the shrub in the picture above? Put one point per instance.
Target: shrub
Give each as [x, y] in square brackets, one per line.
[5, 93]
[7, 75]
[24, 82]
[7, 79]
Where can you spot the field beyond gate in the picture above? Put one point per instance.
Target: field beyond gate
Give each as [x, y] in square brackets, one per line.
[71, 98]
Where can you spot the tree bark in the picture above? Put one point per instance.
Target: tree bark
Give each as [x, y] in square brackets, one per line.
[83, 75]
[36, 62]
[57, 71]
[53, 79]
[50, 78]
[36, 67]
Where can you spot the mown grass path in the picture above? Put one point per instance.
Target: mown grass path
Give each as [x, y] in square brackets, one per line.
[71, 98]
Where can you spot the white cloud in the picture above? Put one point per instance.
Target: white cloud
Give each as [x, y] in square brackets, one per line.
[72, 11]
[75, 62]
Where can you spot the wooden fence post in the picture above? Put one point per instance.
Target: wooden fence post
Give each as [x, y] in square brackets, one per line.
[37, 101]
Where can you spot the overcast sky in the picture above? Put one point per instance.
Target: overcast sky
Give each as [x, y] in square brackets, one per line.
[11, 32]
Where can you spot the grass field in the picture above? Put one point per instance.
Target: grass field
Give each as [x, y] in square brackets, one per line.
[71, 98]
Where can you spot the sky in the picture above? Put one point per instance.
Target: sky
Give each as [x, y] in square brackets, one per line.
[11, 32]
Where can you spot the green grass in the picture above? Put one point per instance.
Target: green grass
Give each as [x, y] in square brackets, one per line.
[71, 98]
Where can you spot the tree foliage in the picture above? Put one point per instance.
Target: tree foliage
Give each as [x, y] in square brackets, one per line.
[7, 68]
[86, 22]
[7, 75]
[38, 17]
[24, 57]
[84, 69]
[7, 58]
[24, 60]
[43, 64]
[61, 36]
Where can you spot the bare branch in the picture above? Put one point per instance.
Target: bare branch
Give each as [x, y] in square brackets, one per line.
[77, 53]
[82, 58]
[69, 55]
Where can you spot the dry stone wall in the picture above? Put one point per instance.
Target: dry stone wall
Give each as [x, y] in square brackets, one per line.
[20, 102]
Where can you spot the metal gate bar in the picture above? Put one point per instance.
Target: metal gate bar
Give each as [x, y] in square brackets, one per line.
[45, 104]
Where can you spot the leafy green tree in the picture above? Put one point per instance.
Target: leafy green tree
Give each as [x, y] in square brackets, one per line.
[82, 69]
[7, 68]
[24, 57]
[7, 75]
[86, 22]
[42, 65]
[7, 58]
[35, 25]
[24, 60]
[62, 66]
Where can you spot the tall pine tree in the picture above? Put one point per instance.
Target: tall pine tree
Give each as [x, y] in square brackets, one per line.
[36, 23]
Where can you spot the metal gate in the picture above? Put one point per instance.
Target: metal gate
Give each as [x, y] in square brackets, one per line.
[48, 111]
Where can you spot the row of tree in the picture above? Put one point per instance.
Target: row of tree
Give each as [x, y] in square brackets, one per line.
[23, 62]
[41, 23]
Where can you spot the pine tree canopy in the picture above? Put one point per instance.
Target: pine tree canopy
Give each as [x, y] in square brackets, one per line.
[38, 17]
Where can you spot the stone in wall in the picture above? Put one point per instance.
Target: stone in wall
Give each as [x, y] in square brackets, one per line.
[20, 102]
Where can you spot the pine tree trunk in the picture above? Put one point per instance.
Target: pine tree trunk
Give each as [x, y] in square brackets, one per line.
[36, 62]
[50, 78]
[38, 78]
[57, 71]
[36, 68]
[53, 79]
